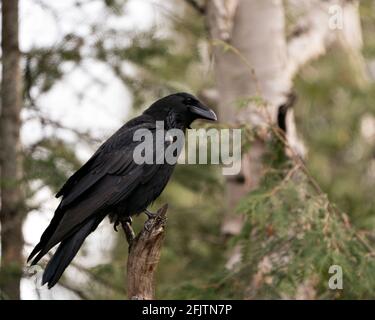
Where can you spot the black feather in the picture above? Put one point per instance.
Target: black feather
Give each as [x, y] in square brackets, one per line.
[66, 252]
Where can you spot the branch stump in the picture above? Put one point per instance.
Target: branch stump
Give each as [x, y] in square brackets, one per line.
[144, 255]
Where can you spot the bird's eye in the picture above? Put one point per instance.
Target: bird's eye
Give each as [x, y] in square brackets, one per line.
[190, 101]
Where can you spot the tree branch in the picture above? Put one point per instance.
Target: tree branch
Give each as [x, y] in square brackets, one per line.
[144, 255]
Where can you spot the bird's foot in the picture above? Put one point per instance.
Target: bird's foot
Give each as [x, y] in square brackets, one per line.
[118, 221]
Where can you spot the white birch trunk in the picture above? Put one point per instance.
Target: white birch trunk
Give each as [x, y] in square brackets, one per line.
[265, 65]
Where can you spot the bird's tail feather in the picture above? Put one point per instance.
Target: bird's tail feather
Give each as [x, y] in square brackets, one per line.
[46, 235]
[65, 253]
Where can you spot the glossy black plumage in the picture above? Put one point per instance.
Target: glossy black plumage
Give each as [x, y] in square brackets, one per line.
[111, 183]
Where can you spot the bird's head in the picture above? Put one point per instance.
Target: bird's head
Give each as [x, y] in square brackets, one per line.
[180, 110]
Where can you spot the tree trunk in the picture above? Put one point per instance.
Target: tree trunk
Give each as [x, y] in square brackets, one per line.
[256, 67]
[12, 208]
[254, 59]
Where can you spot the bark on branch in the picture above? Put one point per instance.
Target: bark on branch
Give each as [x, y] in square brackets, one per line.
[144, 255]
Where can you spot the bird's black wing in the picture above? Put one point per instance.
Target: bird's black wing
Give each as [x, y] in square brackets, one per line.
[105, 180]
[110, 158]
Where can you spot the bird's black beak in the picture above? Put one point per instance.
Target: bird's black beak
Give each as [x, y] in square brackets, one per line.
[203, 112]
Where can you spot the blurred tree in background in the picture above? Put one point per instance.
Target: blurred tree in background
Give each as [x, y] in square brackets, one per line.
[273, 231]
[12, 200]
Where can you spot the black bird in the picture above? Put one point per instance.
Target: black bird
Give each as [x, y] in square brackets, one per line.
[112, 183]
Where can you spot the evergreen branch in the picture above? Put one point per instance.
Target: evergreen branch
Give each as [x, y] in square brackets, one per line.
[297, 159]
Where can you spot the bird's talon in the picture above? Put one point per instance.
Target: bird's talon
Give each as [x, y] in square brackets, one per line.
[128, 220]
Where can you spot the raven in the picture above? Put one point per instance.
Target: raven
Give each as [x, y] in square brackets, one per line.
[112, 183]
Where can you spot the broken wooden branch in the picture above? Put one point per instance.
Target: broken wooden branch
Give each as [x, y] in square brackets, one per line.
[144, 255]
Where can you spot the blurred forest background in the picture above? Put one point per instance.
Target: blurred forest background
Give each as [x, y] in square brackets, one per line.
[297, 76]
